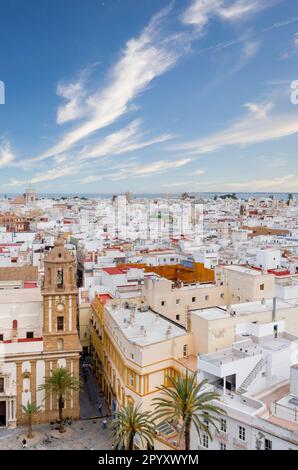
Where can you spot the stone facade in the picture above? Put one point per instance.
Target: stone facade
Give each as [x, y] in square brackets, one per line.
[26, 362]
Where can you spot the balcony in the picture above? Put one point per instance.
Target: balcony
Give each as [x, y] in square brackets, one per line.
[239, 443]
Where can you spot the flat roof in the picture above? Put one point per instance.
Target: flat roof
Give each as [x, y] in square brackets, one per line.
[242, 269]
[244, 309]
[214, 313]
[113, 271]
[156, 327]
[13, 296]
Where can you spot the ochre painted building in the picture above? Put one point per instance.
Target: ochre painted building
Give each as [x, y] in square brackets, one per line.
[38, 333]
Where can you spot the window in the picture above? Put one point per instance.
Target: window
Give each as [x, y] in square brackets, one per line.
[268, 444]
[1, 384]
[206, 297]
[1, 337]
[60, 323]
[60, 277]
[131, 379]
[205, 441]
[242, 433]
[185, 350]
[223, 446]
[262, 287]
[178, 317]
[193, 299]
[223, 425]
[222, 296]
[30, 334]
[177, 301]
[162, 303]
[206, 419]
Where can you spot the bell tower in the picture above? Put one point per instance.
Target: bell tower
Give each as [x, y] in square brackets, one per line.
[60, 295]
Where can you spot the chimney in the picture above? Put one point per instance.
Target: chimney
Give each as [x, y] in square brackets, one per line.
[274, 309]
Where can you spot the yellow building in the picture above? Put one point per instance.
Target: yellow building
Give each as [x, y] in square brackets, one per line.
[133, 353]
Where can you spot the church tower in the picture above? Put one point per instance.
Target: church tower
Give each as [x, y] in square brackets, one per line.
[60, 295]
[61, 344]
[30, 197]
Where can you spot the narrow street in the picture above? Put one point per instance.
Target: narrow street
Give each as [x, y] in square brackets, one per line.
[92, 401]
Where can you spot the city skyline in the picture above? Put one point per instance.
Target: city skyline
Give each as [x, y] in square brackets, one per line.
[151, 97]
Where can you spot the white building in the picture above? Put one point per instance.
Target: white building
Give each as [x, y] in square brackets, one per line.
[257, 382]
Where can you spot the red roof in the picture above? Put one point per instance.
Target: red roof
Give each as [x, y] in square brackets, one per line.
[113, 271]
[30, 285]
[279, 272]
[104, 297]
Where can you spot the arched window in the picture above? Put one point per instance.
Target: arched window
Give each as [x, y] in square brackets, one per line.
[60, 277]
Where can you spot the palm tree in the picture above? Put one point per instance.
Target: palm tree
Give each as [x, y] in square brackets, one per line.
[129, 422]
[60, 383]
[30, 410]
[185, 402]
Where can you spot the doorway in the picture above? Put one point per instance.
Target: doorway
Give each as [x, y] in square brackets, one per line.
[2, 413]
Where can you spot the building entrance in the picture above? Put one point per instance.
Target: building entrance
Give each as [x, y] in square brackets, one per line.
[2, 413]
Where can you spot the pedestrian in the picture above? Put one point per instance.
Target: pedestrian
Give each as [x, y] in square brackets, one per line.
[24, 444]
[104, 424]
[100, 408]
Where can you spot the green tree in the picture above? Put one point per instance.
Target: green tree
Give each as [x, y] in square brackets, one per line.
[61, 384]
[129, 422]
[30, 410]
[185, 402]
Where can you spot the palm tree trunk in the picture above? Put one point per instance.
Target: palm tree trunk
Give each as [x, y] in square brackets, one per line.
[187, 434]
[30, 435]
[131, 441]
[60, 406]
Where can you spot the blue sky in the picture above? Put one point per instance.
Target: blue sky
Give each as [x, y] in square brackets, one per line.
[148, 95]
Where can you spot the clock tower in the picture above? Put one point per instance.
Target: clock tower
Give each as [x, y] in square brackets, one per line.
[60, 296]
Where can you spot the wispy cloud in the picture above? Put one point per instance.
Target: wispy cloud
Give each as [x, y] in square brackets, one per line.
[143, 59]
[201, 11]
[49, 175]
[282, 183]
[74, 94]
[134, 170]
[258, 126]
[125, 140]
[6, 153]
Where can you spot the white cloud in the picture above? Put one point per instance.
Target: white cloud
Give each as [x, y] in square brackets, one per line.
[133, 170]
[239, 9]
[259, 110]
[49, 175]
[127, 139]
[157, 167]
[258, 126]
[282, 183]
[143, 59]
[296, 40]
[201, 11]
[74, 94]
[6, 154]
